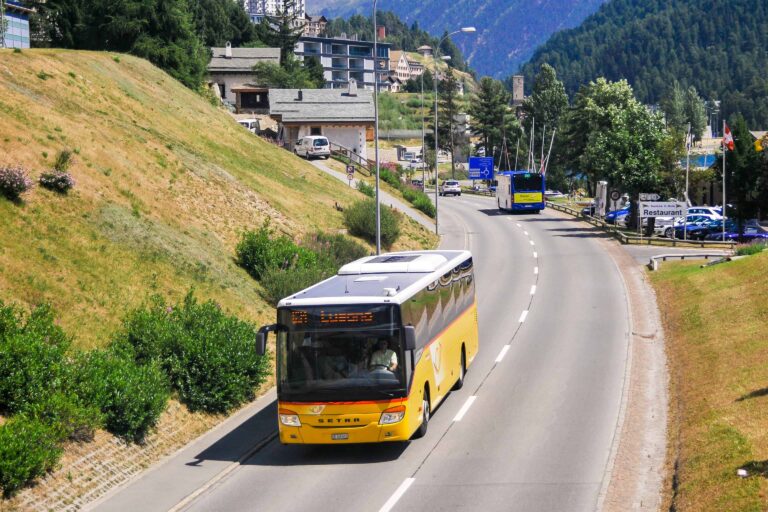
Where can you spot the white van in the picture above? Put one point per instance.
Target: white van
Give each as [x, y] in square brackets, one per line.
[252, 125]
[312, 146]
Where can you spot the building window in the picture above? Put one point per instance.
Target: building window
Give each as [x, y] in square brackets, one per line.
[315, 130]
[223, 90]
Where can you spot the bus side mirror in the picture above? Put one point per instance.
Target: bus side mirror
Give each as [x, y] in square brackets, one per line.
[261, 339]
[410, 337]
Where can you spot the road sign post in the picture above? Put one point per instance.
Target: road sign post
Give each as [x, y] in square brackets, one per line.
[480, 168]
[350, 174]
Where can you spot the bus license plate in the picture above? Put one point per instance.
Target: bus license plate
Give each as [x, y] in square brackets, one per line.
[338, 437]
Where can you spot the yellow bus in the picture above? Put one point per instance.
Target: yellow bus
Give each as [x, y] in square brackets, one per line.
[367, 354]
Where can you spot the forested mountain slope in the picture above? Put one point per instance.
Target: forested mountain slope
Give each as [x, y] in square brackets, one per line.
[721, 48]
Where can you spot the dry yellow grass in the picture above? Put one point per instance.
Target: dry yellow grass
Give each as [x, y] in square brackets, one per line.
[165, 184]
[715, 320]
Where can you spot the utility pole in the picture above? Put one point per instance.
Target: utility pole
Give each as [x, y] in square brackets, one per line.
[2, 23]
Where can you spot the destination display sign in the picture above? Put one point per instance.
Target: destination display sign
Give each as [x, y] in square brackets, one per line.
[662, 209]
[329, 317]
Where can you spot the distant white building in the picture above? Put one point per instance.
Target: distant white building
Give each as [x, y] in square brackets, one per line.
[257, 9]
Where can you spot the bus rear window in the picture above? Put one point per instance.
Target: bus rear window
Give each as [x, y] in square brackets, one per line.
[528, 181]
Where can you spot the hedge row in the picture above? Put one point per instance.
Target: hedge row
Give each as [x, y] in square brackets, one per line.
[415, 196]
[52, 393]
[297, 266]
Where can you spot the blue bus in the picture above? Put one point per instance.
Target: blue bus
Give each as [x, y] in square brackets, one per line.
[520, 191]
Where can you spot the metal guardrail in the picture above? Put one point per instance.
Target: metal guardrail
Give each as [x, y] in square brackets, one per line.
[654, 262]
[641, 240]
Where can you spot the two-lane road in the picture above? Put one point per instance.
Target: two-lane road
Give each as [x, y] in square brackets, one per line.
[532, 428]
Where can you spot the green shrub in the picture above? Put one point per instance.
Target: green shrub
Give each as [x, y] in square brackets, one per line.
[278, 284]
[410, 194]
[336, 250]
[753, 248]
[360, 219]
[70, 418]
[261, 250]
[131, 396]
[390, 177]
[365, 188]
[57, 181]
[209, 357]
[423, 203]
[32, 356]
[28, 449]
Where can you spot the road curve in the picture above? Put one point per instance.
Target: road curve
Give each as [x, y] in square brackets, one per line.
[532, 428]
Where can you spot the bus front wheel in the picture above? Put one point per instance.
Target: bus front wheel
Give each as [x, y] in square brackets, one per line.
[462, 371]
[425, 412]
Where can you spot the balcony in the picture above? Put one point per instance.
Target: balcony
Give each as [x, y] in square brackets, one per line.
[358, 51]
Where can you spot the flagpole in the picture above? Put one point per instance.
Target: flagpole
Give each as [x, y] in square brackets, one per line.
[531, 149]
[516, 152]
[545, 165]
[543, 143]
[687, 168]
[724, 203]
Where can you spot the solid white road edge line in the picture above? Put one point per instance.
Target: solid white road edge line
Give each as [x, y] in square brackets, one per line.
[502, 353]
[464, 408]
[522, 316]
[535, 270]
[533, 289]
[397, 495]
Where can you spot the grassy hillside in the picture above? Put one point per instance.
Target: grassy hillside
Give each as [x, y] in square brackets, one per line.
[715, 321]
[165, 184]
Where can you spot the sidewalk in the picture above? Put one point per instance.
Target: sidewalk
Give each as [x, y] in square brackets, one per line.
[385, 197]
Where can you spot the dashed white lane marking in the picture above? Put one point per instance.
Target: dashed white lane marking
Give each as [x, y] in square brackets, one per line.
[502, 353]
[532, 242]
[535, 270]
[518, 225]
[522, 316]
[526, 233]
[533, 289]
[397, 495]
[535, 254]
[464, 408]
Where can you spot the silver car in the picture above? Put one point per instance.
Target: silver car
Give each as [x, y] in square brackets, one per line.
[450, 187]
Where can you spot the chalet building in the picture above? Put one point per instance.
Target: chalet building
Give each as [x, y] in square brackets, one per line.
[343, 115]
[233, 67]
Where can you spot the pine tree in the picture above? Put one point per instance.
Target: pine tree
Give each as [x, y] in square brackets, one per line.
[282, 30]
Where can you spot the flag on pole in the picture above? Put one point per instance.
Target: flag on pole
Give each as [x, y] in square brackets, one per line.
[728, 138]
[759, 145]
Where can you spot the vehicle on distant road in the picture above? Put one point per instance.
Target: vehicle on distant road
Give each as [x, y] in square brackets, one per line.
[450, 187]
[252, 125]
[520, 191]
[312, 146]
[553, 194]
[751, 233]
[365, 356]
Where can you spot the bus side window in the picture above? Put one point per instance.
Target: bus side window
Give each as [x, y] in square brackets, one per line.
[417, 316]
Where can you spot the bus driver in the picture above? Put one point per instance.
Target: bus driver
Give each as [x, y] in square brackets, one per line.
[383, 357]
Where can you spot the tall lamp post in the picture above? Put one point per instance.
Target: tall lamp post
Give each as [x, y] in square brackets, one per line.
[376, 123]
[465, 30]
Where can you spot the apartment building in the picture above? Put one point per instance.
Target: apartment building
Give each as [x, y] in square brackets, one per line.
[345, 58]
[16, 18]
[257, 9]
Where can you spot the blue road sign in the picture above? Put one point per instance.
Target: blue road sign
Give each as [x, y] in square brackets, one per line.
[481, 167]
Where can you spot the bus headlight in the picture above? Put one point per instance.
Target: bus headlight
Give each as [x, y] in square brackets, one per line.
[392, 415]
[289, 418]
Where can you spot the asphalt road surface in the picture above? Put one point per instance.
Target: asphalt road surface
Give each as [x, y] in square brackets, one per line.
[532, 428]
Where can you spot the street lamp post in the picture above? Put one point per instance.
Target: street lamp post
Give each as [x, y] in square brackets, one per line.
[376, 124]
[465, 30]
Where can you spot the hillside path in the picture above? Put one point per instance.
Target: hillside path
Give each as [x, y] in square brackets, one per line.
[385, 197]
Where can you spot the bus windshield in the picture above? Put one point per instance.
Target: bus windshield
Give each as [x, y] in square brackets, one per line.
[340, 354]
[527, 182]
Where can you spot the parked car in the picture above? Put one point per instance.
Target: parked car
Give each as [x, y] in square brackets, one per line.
[450, 187]
[617, 216]
[715, 212]
[751, 233]
[692, 220]
[589, 211]
[252, 125]
[553, 194]
[312, 146]
[416, 163]
[417, 183]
